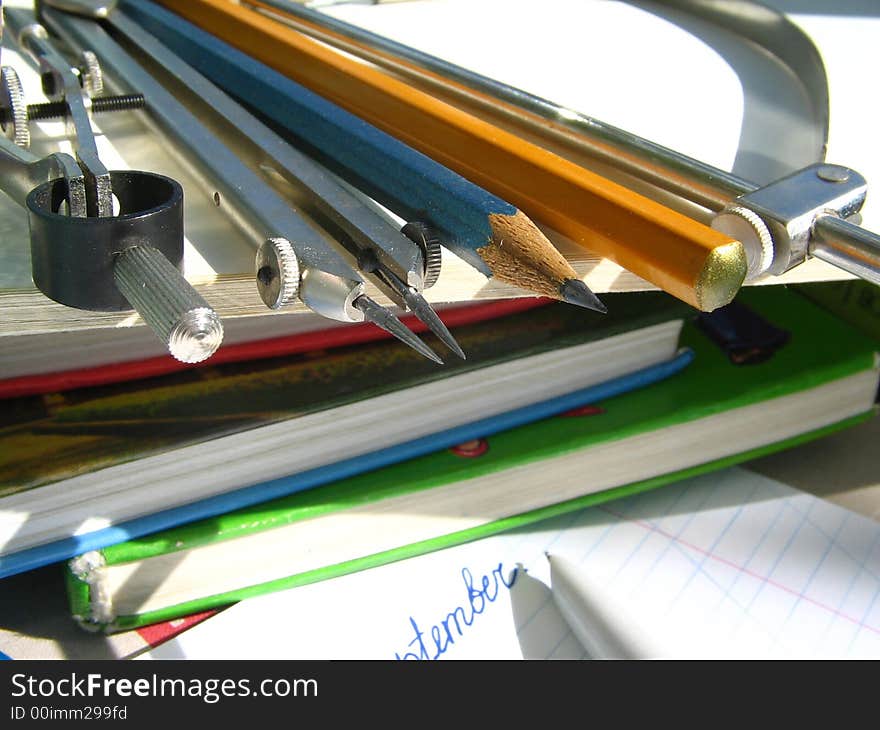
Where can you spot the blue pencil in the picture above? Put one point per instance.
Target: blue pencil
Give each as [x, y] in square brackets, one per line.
[487, 232]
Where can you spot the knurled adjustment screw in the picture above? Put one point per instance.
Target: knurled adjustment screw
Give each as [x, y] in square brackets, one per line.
[744, 225]
[13, 110]
[277, 272]
[167, 302]
[91, 77]
[428, 241]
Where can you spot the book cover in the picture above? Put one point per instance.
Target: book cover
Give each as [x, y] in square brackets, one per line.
[856, 301]
[721, 410]
[90, 467]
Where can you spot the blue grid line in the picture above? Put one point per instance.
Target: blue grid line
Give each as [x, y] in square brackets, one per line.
[769, 574]
[860, 565]
[619, 515]
[846, 552]
[832, 543]
[864, 619]
[756, 548]
[788, 544]
[711, 549]
[686, 550]
[647, 536]
[549, 597]
[559, 643]
[688, 521]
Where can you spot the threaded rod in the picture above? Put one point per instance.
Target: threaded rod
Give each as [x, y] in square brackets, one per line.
[57, 109]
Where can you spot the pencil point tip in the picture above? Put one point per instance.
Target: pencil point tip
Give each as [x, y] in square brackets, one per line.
[574, 291]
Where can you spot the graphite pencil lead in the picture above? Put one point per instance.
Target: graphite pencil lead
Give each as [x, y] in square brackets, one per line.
[574, 291]
[381, 317]
[420, 307]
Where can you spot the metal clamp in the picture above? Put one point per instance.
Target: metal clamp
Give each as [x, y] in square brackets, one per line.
[777, 223]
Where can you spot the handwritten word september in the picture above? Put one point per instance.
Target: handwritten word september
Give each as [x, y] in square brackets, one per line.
[443, 634]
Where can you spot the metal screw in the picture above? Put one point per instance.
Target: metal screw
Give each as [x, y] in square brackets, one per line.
[744, 225]
[13, 110]
[58, 109]
[91, 77]
[278, 271]
[833, 173]
[428, 242]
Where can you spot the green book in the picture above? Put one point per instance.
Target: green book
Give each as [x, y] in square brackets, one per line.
[709, 415]
[855, 300]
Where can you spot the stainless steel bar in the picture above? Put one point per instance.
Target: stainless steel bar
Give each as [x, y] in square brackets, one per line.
[847, 246]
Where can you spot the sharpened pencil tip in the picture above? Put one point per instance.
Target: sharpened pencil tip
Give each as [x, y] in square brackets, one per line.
[381, 317]
[420, 307]
[574, 291]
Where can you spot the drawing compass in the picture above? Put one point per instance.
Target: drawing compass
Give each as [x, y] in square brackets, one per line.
[290, 207]
[100, 240]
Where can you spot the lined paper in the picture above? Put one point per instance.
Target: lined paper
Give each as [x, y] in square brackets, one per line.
[730, 564]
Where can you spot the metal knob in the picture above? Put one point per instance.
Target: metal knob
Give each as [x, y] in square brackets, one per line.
[175, 311]
[426, 238]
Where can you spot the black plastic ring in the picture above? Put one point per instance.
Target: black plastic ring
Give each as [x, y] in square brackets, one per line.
[72, 259]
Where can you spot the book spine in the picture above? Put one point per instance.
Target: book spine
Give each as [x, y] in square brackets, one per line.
[86, 594]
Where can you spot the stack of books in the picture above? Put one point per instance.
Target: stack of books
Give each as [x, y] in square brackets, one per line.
[166, 497]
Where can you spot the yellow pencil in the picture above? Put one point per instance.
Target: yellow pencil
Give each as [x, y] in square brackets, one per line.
[682, 256]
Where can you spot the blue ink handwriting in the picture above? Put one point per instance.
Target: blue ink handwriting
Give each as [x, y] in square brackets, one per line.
[435, 642]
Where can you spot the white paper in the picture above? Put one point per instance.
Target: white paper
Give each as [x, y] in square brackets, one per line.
[730, 564]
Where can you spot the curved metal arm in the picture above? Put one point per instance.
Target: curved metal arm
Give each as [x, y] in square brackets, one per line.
[64, 83]
[21, 171]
